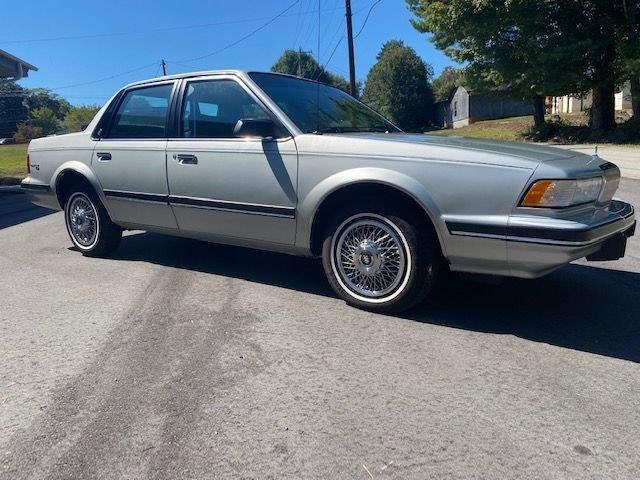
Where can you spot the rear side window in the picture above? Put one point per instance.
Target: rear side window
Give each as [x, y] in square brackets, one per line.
[211, 109]
[143, 113]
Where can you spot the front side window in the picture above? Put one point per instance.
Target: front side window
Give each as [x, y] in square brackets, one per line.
[143, 113]
[315, 107]
[212, 108]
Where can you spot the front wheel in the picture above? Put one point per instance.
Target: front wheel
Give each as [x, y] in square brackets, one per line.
[89, 226]
[380, 259]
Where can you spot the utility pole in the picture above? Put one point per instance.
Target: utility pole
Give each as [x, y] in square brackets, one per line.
[164, 67]
[352, 62]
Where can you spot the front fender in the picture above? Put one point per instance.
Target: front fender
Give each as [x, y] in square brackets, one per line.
[309, 205]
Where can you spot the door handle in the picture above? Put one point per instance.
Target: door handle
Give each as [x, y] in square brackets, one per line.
[103, 156]
[186, 159]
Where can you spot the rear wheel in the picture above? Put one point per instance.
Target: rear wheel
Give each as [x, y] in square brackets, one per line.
[89, 226]
[380, 258]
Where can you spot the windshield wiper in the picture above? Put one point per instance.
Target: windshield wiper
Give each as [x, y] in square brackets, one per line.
[351, 130]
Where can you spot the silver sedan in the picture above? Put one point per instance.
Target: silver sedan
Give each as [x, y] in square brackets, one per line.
[279, 163]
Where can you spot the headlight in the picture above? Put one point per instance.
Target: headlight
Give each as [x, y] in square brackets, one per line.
[562, 193]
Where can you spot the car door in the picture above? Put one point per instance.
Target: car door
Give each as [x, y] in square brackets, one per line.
[130, 158]
[224, 186]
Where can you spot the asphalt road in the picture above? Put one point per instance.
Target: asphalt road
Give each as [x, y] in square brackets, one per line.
[179, 359]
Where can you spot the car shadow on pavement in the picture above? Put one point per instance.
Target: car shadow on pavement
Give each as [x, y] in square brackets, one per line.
[580, 307]
[286, 271]
[15, 208]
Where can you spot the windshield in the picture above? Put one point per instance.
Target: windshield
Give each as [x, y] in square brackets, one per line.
[338, 112]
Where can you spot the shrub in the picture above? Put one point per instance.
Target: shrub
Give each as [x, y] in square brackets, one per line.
[46, 119]
[79, 117]
[25, 133]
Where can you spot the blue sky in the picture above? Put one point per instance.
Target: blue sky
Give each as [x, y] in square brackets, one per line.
[126, 40]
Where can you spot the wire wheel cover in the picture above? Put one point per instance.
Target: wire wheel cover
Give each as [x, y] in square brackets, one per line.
[370, 257]
[82, 220]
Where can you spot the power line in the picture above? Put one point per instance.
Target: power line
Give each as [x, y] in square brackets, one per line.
[240, 40]
[153, 30]
[364, 24]
[324, 67]
[154, 64]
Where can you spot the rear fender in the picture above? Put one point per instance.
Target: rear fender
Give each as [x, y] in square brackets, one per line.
[86, 172]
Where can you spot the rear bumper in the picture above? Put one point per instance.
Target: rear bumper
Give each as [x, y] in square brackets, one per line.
[40, 193]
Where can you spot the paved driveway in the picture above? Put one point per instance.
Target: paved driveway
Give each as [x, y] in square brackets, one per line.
[179, 359]
[626, 157]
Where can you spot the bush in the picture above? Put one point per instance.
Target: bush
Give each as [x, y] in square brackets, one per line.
[79, 117]
[627, 132]
[46, 119]
[25, 133]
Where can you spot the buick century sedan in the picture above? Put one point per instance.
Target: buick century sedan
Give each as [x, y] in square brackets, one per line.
[279, 163]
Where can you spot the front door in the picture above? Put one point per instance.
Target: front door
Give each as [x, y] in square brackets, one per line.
[130, 160]
[225, 186]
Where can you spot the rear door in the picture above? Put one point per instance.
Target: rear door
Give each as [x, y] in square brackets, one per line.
[130, 158]
[221, 185]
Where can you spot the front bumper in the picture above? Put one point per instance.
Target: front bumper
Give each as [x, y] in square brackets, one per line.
[536, 248]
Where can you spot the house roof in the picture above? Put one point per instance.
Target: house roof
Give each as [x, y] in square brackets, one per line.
[13, 67]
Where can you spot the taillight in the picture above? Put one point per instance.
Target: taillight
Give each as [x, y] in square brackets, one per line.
[28, 165]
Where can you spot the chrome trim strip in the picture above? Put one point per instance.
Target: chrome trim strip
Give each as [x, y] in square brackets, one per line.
[193, 202]
[549, 236]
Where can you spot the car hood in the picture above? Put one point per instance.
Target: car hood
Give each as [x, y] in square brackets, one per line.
[435, 147]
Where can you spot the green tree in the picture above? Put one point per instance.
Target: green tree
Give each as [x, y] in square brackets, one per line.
[632, 51]
[78, 118]
[446, 83]
[304, 65]
[398, 86]
[43, 98]
[12, 107]
[534, 47]
[45, 119]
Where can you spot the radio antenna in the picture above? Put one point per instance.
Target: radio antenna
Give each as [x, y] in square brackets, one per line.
[317, 82]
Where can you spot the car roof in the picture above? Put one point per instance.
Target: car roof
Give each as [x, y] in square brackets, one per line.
[210, 72]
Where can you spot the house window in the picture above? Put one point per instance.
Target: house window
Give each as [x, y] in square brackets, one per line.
[455, 109]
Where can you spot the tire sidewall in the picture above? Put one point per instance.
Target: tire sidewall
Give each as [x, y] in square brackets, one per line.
[422, 264]
[404, 245]
[67, 218]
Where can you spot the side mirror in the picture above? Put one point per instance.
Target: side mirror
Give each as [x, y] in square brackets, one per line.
[253, 127]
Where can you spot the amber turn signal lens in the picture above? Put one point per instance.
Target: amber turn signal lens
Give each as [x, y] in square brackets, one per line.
[536, 193]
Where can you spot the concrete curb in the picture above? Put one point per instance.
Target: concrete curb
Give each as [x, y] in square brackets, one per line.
[13, 189]
[9, 181]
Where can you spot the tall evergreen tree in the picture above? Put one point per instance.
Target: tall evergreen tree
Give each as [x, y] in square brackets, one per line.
[303, 64]
[398, 86]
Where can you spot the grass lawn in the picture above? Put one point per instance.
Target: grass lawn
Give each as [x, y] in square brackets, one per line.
[510, 129]
[569, 128]
[13, 161]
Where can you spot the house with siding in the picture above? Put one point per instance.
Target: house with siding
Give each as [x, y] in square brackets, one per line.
[13, 68]
[576, 104]
[465, 107]
[12, 108]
